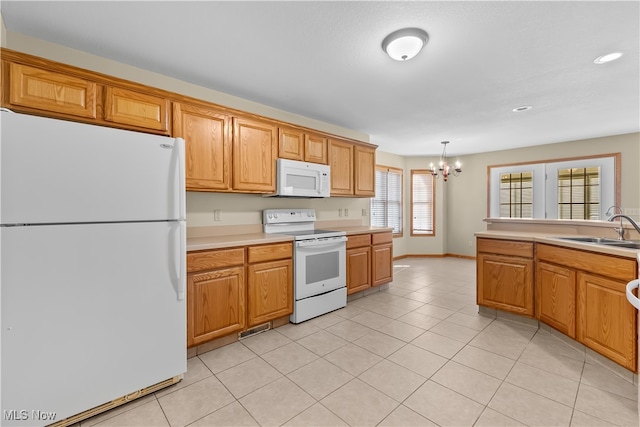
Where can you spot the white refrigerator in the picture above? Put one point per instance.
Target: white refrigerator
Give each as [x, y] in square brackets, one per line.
[92, 265]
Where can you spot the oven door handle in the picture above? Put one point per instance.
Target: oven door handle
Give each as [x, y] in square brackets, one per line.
[320, 243]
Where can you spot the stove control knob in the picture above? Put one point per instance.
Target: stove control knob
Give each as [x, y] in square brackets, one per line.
[275, 215]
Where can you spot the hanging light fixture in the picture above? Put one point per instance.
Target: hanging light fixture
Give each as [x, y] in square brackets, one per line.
[404, 44]
[443, 167]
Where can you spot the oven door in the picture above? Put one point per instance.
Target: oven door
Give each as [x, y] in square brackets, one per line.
[320, 266]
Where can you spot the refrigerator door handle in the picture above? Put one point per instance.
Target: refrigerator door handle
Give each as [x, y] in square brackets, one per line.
[181, 179]
[182, 255]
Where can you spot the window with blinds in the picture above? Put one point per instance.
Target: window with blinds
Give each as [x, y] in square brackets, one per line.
[579, 193]
[422, 203]
[386, 206]
[516, 195]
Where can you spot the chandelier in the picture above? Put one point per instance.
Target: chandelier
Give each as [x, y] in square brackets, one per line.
[443, 167]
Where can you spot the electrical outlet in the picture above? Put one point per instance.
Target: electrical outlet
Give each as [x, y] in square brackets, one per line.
[216, 215]
[470, 243]
[340, 212]
[346, 212]
[364, 212]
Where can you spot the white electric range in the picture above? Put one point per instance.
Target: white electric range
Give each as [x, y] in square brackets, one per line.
[319, 262]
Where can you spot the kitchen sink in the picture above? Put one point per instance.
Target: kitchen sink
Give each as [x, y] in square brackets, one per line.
[601, 240]
[625, 244]
[630, 244]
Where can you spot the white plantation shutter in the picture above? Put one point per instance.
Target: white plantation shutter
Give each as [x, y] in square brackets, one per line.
[422, 207]
[386, 206]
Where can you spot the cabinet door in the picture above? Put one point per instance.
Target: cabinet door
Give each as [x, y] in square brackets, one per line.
[270, 290]
[381, 264]
[49, 91]
[215, 304]
[136, 109]
[315, 148]
[606, 320]
[505, 283]
[556, 297]
[291, 144]
[254, 155]
[358, 270]
[365, 171]
[341, 162]
[207, 146]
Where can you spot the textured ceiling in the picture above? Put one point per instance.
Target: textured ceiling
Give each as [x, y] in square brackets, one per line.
[323, 60]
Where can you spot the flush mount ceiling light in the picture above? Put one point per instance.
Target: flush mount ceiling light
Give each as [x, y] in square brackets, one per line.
[404, 44]
[522, 108]
[603, 59]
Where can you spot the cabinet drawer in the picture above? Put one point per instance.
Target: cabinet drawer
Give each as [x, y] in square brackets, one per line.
[506, 247]
[359, 241]
[610, 266]
[136, 109]
[379, 238]
[49, 91]
[269, 252]
[209, 260]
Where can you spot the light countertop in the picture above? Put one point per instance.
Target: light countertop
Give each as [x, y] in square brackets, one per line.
[555, 239]
[217, 241]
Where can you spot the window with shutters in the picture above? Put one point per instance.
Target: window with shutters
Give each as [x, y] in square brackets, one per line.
[386, 206]
[516, 195]
[578, 188]
[422, 203]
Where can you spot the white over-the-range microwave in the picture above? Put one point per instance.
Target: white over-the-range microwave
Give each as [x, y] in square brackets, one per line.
[301, 179]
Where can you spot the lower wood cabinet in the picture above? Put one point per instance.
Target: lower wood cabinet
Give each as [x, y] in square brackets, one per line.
[270, 283]
[231, 290]
[369, 261]
[505, 275]
[556, 297]
[358, 263]
[606, 320]
[216, 294]
[381, 258]
[216, 304]
[582, 294]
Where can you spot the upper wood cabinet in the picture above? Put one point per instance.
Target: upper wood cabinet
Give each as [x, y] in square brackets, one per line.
[353, 169]
[315, 148]
[207, 136]
[50, 91]
[291, 143]
[297, 144]
[341, 163]
[227, 150]
[136, 109]
[255, 151]
[365, 171]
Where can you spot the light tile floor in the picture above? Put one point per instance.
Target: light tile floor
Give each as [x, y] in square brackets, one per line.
[415, 354]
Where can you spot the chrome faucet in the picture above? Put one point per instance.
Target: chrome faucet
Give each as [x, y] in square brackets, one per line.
[621, 230]
[608, 213]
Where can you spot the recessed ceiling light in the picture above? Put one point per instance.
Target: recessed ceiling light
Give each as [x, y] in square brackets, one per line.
[603, 59]
[404, 44]
[522, 108]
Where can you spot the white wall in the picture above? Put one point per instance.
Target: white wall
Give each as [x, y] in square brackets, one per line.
[461, 203]
[466, 206]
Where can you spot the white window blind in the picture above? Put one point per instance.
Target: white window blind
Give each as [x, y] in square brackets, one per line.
[422, 206]
[386, 206]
